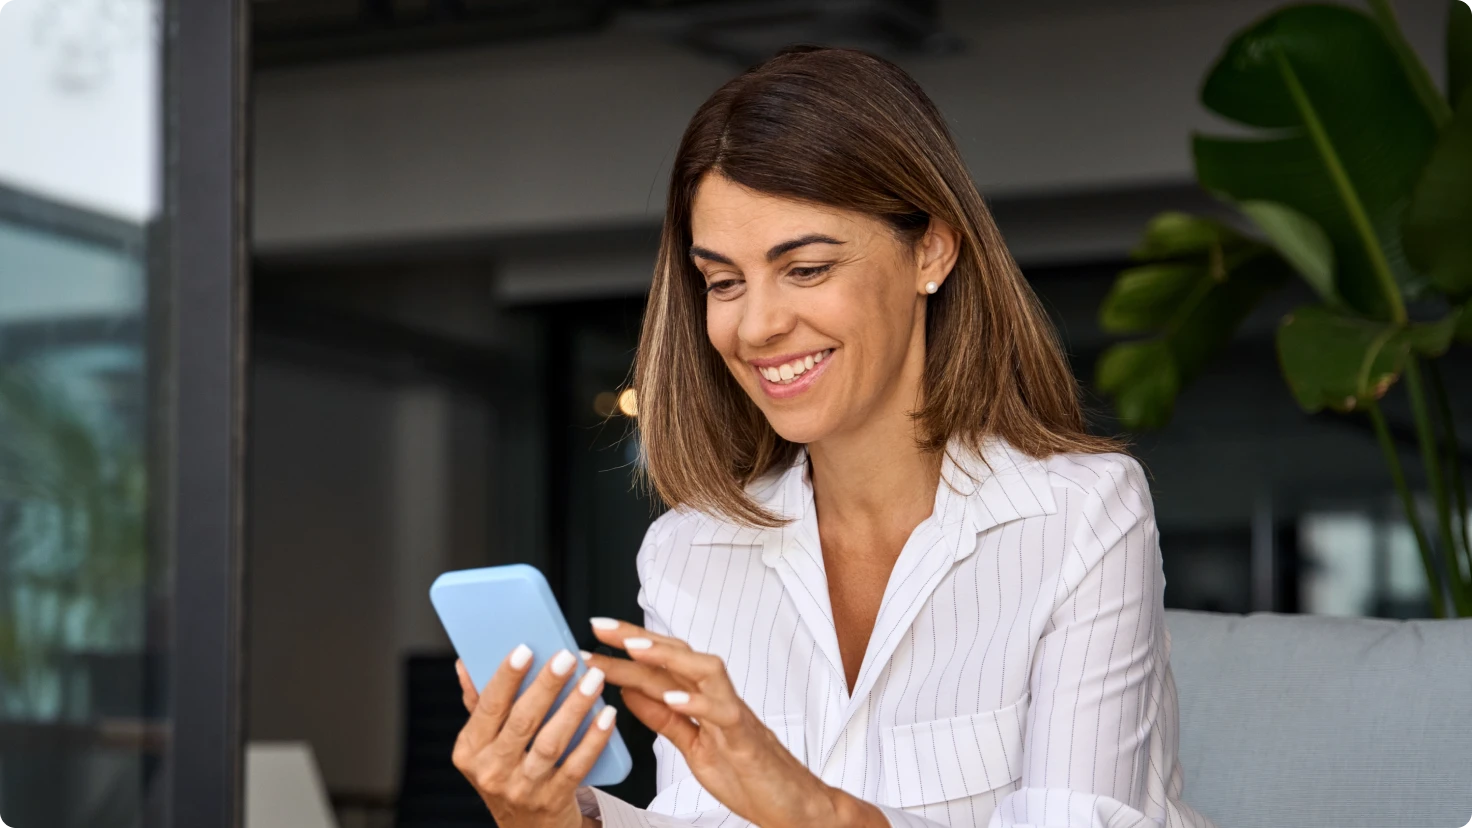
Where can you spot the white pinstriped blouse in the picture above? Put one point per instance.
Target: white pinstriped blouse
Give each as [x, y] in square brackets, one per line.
[1018, 673]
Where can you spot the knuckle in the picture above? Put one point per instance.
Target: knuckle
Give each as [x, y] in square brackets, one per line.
[516, 724]
[518, 791]
[564, 781]
[500, 752]
[488, 781]
[545, 751]
[463, 754]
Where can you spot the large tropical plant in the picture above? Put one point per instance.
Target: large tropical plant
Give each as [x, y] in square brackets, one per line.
[72, 550]
[1358, 180]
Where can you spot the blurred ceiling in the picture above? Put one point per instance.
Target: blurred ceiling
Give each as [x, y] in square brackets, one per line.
[742, 31]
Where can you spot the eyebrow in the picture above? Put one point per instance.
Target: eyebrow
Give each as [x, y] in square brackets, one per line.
[777, 250]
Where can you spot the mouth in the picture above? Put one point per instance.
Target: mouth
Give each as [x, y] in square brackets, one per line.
[794, 375]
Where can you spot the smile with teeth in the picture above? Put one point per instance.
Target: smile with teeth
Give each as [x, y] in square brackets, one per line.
[787, 372]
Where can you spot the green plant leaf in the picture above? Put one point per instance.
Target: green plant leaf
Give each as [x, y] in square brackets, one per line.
[1144, 299]
[1438, 223]
[1301, 242]
[1142, 378]
[1172, 235]
[1458, 50]
[1420, 79]
[1337, 361]
[1432, 339]
[1348, 143]
[1205, 328]
[1194, 302]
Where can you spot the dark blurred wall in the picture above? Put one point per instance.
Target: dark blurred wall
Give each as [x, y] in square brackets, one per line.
[1050, 98]
[375, 465]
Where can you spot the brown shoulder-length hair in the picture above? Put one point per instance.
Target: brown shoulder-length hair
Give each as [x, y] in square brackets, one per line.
[843, 129]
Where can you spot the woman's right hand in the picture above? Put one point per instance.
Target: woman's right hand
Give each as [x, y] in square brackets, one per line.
[525, 788]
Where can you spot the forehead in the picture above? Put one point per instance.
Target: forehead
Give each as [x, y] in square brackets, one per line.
[726, 212]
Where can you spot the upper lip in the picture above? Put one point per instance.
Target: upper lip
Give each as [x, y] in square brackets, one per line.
[778, 361]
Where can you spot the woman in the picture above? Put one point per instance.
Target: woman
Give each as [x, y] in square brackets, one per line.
[899, 584]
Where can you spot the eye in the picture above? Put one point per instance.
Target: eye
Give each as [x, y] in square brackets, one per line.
[806, 273]
[724, 288]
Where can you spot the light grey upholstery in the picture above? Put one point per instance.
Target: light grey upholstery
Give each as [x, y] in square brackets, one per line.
[1294, 721]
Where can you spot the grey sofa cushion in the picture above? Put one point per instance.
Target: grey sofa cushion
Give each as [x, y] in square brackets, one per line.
[1293, 721]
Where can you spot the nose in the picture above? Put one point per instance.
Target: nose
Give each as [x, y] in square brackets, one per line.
[766, 314]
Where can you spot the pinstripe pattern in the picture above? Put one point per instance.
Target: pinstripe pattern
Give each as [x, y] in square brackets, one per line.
[1018, 673]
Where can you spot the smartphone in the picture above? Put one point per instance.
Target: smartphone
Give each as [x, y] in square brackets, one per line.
[488, 611]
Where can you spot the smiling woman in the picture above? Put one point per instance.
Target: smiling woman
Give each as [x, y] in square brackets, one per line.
[827, 179]
[900, 583]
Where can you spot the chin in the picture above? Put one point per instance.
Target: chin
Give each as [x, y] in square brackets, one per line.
[799, 427]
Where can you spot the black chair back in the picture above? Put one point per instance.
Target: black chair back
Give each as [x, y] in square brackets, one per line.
[432, 792]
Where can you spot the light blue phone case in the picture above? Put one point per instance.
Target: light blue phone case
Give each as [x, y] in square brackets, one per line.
[488, 611]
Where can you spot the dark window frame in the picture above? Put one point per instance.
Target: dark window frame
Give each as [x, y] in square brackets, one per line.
[197, 321]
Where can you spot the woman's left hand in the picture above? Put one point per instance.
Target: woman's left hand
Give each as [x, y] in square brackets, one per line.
[688, 698]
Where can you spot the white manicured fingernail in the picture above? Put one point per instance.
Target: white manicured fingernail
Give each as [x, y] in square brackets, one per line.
[637, 643]
[585, 654]
[591, 682]
[520, 656]
[605, 717]
[676, 697]
[603, 623]
[562, 662]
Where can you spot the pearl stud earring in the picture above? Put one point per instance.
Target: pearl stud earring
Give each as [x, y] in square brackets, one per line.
[931, 287]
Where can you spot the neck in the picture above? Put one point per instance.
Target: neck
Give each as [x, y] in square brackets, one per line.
[875, 481]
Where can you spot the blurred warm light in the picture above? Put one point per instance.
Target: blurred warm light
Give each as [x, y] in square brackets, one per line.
[605, 404]
[628, 402]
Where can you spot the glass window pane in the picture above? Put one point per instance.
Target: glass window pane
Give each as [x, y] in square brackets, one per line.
[81, 591]
[1340, 576]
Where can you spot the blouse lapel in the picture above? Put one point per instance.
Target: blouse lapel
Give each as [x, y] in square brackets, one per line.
[974, 495]
[793, 551]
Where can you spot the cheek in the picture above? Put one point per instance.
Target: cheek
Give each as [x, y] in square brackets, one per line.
[874, 315]
[721, 323]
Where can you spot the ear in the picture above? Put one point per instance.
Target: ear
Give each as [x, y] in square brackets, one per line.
[937, 253]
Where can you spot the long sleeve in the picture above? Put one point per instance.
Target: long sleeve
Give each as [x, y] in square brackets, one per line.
[1094, 682]
[1101, 696]
[1022, 683]
[679, 800]
[670, 769]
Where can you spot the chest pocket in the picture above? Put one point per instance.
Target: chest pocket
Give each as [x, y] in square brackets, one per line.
[688, 798]
[791, 732]
[947, 759]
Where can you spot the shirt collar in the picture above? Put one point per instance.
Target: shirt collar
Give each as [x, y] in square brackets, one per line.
[978, 491]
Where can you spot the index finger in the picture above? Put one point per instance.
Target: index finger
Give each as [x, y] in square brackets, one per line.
[496, 699]
[706, 672]
[614, 632]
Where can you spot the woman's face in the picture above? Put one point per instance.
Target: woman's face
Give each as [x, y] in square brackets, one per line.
[819, 313]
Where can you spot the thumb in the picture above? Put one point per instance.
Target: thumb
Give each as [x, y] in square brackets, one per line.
[468, 695]
[658, 717]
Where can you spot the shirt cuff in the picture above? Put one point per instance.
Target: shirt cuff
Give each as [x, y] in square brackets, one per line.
[899, 818]
[1064, 808]
[616, 813]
